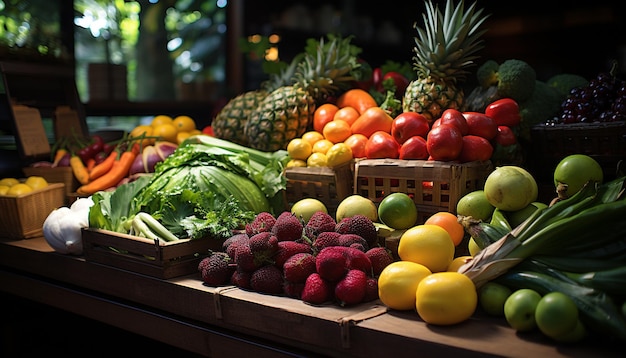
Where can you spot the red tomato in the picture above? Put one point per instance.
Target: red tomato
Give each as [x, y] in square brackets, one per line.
[455, 117]
[381, 145]
[444, 142]
[208, 130]
[414, 148]
[407, 125]
[481, 125]
[475, 148]
[504, 111]
[505, 136]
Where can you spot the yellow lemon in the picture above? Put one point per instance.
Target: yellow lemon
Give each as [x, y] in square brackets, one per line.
[299, 149]
[296, 163]
[312, 137]
[4, 189]
[36, 182]
[322, 146]
[184, 123]
[166, 131]
[338, 154]
[9, 181]
[161, 119]
[317, 160]
[429, 245]
[19, 189]
[446, 298]
[181, 136]
[397, 284]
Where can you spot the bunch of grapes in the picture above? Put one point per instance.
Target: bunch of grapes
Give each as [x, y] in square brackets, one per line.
[603, 99]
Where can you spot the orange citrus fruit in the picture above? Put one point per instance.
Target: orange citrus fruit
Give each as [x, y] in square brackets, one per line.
[312, 136]
[299, 148]
[338, 154]
[322, 115]
[449, 222]
[357, 142]
[337, 131]
[184, 123]
[181, 136]
[142, 130]
[348, 114]
[322, 146]
[397, 284]
[429, 245]
[446, 298]
[161, 119]
[166, 131]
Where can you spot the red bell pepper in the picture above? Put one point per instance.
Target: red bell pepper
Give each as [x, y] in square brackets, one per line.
[505, 112]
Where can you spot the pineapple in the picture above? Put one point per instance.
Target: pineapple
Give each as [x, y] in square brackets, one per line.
[287, 112]
[230, 122]
[445, 48]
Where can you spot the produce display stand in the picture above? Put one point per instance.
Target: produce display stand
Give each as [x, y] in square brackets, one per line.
[227, 321]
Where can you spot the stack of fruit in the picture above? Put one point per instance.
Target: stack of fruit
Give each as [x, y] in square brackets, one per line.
[15, 187]
[165, 128]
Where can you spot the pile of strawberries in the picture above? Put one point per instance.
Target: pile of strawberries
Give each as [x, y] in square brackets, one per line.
[318, 261]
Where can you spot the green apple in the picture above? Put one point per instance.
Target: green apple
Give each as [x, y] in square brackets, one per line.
[519, 309]
[575, 170]
[492, 296]
[578, 333]
[556, 314]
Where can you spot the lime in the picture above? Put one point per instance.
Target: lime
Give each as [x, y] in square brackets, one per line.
[398, 211]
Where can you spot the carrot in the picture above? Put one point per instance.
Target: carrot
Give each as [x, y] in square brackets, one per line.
[104, 166]
[358, 99]
[79, 169]
[118, 171]
[58, 155]
[91, 163]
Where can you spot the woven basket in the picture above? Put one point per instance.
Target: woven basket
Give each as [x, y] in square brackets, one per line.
[605, 142]
[55, 175]
[23, 216]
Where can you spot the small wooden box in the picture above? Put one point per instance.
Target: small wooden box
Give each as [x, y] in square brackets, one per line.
[23, 216]
[328, 185]
[434, 185]
[144, 256]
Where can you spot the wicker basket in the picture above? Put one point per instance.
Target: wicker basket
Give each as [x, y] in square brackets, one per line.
[605, 142]
[434, 185]
[328, 185]
[23, 216]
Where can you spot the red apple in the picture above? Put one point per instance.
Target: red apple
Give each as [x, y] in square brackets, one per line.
[414, 148]
[455, 117]
[481, 125]
[444, 142]
[505, 136]
[475, 148]
[407, 125]
[381, 145]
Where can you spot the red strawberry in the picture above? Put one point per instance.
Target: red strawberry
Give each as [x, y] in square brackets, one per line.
[371, 289]
[380, 258]
[264, 247]
[287, 227]
[241, 279]
[262, 222]
[286, 249]
[215, 269]
[267, 279]
[326, 239]
[244, 258]
[318, 223]
[357, 260]
[351, 289]
[298, 267]
[293, 289]
[350, 239]
[317, 290]
[231, 243]
[331, 263]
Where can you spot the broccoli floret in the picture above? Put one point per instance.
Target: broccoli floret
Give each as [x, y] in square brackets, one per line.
[516, 80]
[543, 104]
[564, 82]
[487, 74]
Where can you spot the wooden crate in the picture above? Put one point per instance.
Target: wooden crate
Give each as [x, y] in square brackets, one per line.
[55, 175]
[605, 142]
[23, 216]
[434, 185]
[329, 185]
[144, 256]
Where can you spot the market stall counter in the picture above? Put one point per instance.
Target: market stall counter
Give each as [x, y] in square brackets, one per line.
[221, 321]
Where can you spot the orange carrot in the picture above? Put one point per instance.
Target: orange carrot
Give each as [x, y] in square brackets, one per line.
[79, 169]
[119, 170]
[91, 163]
[104, 166]
[58, 155]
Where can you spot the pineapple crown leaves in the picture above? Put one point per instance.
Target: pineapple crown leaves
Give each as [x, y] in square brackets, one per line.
[448, 43]
[283, 74]
[329, 69]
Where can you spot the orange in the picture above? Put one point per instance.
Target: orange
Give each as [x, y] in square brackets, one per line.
[184, 123]
[348, 114]
[161, 119]
[449, 222]
[322, 115]
[357, 143]
[446, 298]
[312, 136]
[322, 146]
[166, 131]
[337, 131]
[181, 136]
